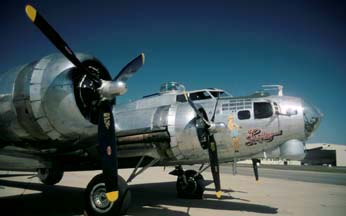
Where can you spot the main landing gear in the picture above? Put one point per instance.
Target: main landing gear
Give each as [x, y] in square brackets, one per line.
[50, 176]
[97, 203]
[95, 194]
[190, 183]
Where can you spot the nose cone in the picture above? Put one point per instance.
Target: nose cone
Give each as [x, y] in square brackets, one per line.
[312, 118]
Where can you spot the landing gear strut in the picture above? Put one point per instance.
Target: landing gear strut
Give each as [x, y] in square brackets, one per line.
[97, 203]
[190, 184]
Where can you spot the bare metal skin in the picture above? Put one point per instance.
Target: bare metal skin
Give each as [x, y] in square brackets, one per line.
[39, 116]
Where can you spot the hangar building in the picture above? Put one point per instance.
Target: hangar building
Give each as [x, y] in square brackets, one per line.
[316, 154]
[324, 153]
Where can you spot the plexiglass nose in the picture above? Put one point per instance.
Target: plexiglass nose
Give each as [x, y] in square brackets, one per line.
[312, 118]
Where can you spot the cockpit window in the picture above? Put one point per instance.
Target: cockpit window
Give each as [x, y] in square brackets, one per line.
[263, 110]
[219, 94]
[202, 95]
[181, 98]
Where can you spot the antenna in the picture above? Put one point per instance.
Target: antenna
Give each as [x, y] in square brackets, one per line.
[279, 88]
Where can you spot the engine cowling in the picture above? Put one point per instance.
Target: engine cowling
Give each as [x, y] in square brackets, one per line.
[46, 100]
[170, 127]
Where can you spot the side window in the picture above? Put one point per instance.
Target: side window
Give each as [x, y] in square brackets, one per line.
[244, 114]
[263, 110]
[181, 98]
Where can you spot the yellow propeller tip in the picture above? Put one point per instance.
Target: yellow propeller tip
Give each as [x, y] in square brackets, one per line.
[30, 12]
[112, 196]
[218, 194]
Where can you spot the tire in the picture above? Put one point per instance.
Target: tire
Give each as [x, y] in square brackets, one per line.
[96, 203]
[194, 188]
[50, 176]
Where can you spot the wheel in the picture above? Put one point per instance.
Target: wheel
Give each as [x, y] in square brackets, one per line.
[194, 188]
[50, 176]
[96, 203]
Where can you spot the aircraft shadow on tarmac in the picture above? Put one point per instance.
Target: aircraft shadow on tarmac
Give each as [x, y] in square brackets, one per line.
[147, 199]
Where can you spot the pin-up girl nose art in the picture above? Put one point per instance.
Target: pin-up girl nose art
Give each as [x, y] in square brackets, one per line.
[234, 132]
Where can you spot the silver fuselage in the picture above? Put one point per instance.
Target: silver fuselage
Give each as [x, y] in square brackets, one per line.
[162, 113]
[40, 115]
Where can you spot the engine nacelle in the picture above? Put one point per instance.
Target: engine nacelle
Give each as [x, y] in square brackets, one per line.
[171, 128]
[42, 101]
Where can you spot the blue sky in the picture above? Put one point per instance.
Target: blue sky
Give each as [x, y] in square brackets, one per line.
[234, 45]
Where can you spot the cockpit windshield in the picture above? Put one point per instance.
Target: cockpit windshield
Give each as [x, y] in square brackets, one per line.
[201, 95]
[194, 96]
[220, 94]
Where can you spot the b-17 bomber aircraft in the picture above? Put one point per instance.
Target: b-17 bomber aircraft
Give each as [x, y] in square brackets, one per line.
[59, 114]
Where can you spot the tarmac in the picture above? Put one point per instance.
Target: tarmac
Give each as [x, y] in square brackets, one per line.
[153, 193]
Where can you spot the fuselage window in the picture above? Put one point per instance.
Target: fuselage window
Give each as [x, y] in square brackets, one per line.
[244, 114]
[263, 110]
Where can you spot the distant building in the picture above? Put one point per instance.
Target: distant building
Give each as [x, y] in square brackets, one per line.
[325, 154]
[316, 154]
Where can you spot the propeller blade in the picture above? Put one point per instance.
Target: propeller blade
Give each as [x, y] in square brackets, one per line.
[255, 167]
[213, 116]
[130, 69]
[214, 166]
[54, 37]
[211, 144]
[192, 104]
[108, 149]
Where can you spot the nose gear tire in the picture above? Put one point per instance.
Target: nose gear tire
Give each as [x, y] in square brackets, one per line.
[193, 187]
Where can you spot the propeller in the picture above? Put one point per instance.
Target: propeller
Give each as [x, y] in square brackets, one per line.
[205, 132]
[55, 38]
[107, 91]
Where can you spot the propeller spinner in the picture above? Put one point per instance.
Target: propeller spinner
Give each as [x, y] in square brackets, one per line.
[107, 90]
